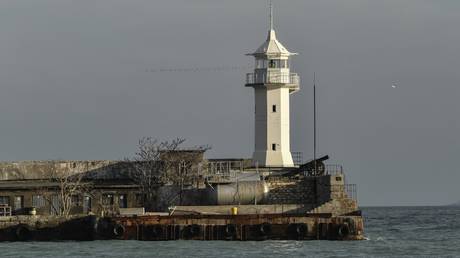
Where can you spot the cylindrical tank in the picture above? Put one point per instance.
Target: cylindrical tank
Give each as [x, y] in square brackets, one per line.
[244, 192]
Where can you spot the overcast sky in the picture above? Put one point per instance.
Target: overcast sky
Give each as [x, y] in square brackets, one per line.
[73, 83]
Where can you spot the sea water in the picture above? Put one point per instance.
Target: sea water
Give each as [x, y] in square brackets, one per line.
[391, 232]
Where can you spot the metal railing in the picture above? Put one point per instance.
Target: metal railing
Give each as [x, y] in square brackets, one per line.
[272, 77]
[350, 190]
[333, 170]
[223, 170]
[5, 210]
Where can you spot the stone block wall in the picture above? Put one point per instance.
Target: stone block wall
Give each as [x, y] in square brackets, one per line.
[291, 191]
[330, 187]
[324, 194]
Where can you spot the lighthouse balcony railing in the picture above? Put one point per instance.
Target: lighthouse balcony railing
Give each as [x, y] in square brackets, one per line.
[272, 77]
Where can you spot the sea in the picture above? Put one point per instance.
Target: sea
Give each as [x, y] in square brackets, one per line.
[390, 232]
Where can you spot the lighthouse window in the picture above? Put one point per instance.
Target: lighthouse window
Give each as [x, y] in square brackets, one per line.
[274, 63]
[261, 63]
[274, 108]
[273, 146]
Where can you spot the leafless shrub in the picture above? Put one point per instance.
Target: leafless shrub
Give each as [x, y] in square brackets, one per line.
[156, 164]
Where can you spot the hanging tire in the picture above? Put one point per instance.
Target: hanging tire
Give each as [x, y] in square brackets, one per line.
[157, 231]
[343, 230]
[265, 229]
[104, 228]
[192, 230]
[351, 224]
[298, 230]
[118, 230]
[230, 230]
[195, 229]
[22, 232]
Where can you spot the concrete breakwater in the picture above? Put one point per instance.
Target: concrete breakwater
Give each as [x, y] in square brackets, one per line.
[183, 227]
[47, 228]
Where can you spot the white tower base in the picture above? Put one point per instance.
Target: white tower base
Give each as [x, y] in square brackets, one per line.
[272, 146]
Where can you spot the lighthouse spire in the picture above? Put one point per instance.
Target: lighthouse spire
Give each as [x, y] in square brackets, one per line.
[271, 32]
[271, 15]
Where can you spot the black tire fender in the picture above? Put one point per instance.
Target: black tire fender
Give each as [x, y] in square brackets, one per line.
[230, 230]
[22, 232]
[157, 231]
[265, 229]
[195, 229]
[343, 230]
[297, 230]
[118, 230]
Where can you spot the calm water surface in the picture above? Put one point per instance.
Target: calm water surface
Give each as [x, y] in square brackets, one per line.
[392, 232]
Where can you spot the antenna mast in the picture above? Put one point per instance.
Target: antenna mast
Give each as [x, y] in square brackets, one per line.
[314, 121]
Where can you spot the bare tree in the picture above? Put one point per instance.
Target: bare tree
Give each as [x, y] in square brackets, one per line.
[66, 185]
[156, 164]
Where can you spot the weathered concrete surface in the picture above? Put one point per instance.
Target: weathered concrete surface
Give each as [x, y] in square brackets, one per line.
[244, 209]
[33, 170]
[47, 228]
[337, 207]
[33, 221]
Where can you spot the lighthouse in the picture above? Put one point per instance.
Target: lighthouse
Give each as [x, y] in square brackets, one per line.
[273, 83]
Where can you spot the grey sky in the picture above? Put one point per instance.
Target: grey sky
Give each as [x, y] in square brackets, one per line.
[73, 83]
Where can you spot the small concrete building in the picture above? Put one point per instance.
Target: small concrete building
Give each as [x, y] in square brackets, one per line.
[29, 184]
[273, 82]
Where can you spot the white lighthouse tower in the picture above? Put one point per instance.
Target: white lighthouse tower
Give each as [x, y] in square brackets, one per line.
[273, 82]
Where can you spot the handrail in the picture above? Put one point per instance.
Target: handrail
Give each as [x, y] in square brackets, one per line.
[331, 169]
[351, 191]
[272, 77]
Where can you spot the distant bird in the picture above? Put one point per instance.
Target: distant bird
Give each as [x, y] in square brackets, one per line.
[393, 86]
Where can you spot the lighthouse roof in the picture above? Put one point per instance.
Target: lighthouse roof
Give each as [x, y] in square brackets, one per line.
[272, 47]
